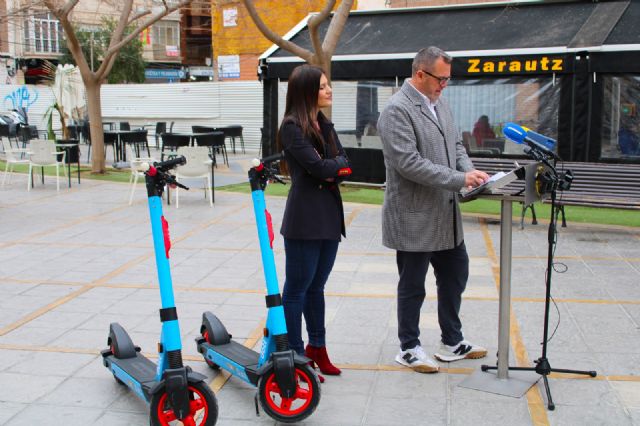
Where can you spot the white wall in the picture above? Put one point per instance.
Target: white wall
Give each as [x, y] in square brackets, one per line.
[187, 104]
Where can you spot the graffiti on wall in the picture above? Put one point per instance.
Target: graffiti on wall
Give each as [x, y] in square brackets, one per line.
[22, 97]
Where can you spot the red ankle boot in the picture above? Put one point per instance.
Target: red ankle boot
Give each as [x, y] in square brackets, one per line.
[319, 356]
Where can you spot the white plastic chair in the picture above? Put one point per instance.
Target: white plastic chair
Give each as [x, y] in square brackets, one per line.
[11, 158]
[199, 165]
[137, 170]
[43, 154]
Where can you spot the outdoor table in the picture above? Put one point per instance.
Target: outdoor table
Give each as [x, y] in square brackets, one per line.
[72, 154]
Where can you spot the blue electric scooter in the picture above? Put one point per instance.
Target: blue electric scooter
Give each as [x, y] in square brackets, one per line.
[287, 387]
[174, 392]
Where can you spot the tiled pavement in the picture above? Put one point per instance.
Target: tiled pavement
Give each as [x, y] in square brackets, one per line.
[74, 261]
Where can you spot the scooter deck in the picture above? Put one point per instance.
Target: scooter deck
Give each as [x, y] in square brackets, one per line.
[140, 368]
[238, 353]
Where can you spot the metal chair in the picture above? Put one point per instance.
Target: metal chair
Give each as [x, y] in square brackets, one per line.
[136, 138]
[111, 139]
[11, 158]
[137, 171]
[234, 132]
[171, 142]
[9, 129]
[86, 136]
[43, 154]
[161, 127]
[198, 165]
[215, 142]
[124, 125]
[26, 133]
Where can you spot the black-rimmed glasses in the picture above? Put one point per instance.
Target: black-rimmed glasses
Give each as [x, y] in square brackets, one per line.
[441, 80]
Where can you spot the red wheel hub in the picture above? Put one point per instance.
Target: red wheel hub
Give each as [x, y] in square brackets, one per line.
[197, 403]
[289, 406]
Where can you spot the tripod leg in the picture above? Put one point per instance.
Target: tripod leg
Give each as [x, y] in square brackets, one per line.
[550, 403]
[586, 373]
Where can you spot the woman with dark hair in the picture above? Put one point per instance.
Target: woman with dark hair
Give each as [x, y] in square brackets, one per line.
[313, 221]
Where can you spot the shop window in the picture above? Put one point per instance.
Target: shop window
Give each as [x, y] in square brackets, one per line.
[166, 40]
[482, 107]
[620, 134]
[43, 33]
[531, 102]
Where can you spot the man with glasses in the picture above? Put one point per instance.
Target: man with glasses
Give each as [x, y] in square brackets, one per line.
[426, 167]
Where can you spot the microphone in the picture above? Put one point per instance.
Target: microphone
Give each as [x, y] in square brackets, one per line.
[535, 141]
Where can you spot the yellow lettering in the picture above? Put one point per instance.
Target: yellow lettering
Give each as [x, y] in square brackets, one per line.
[488, 67]
[515, 66]
[557, 65]
[501, 65]
[473, 65]
[530, 65]
[544, 62]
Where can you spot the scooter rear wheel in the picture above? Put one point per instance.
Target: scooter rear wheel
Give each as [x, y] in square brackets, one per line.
[118, 381]
[207, 336]
[203, 408]
[290, 410]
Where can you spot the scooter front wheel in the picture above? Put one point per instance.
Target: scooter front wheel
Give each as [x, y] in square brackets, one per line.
[203, 408]
[297, 408]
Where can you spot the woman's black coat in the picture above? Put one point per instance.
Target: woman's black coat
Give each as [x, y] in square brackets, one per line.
[314, 206]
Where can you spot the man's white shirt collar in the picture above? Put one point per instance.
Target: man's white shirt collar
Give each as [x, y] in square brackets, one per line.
[430, 105]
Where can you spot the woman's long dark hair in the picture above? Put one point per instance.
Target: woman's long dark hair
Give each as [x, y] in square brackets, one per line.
[302, 101]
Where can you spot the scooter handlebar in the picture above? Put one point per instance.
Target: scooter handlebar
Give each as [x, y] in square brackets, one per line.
[268, 159]
[170, 164]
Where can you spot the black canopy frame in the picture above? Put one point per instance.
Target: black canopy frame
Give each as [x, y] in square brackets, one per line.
[574, 41]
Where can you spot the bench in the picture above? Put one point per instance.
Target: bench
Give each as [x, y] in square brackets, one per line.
[610, 185]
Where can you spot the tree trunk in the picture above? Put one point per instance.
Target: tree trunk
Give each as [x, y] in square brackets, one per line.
[95, 121]
[325, 64]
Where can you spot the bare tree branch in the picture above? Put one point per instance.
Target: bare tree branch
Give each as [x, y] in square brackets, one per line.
[62, 13]
[336, 26]
[67, 8]
[314, 23]
[114, 48]
[117, 35]
[138, 16]
[275, 38]
[57, 11]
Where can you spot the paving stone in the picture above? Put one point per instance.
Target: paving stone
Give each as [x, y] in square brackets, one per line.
[45, 414]
[9, 410]
[51, 363]
[26, 388]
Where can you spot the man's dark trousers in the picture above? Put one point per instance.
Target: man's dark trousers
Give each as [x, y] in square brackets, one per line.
[451, 269]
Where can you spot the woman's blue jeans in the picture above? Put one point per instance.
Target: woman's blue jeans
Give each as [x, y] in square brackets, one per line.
[308, 265]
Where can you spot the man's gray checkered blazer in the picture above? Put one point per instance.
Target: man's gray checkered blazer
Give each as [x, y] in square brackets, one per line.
[425, 163]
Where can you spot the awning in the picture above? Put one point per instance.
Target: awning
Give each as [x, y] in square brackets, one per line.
[383, 43]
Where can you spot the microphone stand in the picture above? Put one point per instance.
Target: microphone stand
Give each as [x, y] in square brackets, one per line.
[543, 367]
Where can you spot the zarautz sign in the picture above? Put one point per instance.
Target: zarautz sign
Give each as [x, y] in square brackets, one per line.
[486, 66]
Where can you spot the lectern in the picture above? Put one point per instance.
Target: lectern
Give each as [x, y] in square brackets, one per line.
[502, 381]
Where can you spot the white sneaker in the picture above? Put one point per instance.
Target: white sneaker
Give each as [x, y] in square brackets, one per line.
[417, 360]
[462, 350]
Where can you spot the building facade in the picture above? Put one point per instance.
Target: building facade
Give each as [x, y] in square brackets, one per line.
[238, 43]
[33, 35]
